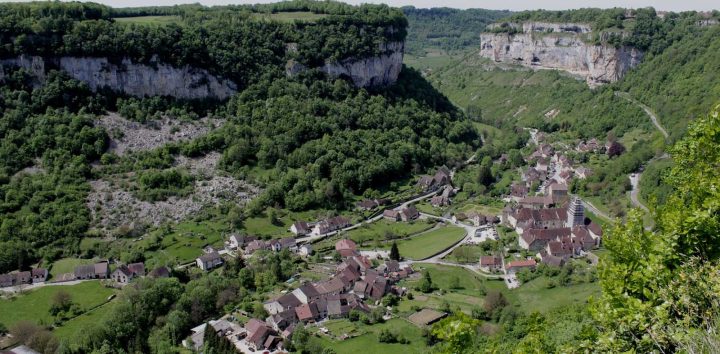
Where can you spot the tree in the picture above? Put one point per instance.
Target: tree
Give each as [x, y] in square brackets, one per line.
[660, 285]
[394, 252]
[61, 302]
[426, 284]
[615, 149]
[455, 332]
[494, 303]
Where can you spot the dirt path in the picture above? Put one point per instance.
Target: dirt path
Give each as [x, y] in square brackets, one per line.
[647, 110]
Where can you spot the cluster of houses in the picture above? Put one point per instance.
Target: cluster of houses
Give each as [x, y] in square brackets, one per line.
[557, 234]
[408, 213]
[251, 244]
[122, 275]
[302, 228]
[428, 183]
[34, 276]
[443, 199]
[353, 283]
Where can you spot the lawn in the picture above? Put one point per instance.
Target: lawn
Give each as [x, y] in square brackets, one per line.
[35, 305]
[368, 342]
[149, 20]
[67, 265]
[430, 243]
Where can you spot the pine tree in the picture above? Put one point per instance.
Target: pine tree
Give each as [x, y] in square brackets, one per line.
[394, 252]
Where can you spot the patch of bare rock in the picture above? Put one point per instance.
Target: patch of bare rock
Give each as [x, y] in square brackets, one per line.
[127, 136]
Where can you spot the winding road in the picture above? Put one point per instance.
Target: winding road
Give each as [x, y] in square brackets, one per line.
[647, 110]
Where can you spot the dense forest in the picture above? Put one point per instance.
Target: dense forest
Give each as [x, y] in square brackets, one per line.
[446, 29]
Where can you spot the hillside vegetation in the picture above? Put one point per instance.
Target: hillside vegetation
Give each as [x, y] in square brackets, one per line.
[321, 142]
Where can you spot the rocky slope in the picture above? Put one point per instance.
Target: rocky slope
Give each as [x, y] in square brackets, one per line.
[380, 70]
[563, 47]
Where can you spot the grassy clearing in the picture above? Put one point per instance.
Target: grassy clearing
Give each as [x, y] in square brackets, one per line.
[183, 243]
[35, 305]
[368, 342]
[77, 326]
[303, 16]
[67, 265]
[382, 228]
[474, 253]
[530, 297]
[535, 296]
[480, 209]
[430, 243]
[149, 20]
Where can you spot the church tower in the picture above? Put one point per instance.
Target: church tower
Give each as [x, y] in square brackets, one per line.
[575, 213]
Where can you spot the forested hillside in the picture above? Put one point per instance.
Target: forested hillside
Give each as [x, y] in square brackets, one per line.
[322, 141]
[446, 29]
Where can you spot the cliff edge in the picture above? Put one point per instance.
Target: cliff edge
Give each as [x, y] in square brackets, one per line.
[560, 46]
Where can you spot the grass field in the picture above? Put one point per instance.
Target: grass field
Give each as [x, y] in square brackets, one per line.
[474, 253]
[289, 16]
[67, 265]
[430, 243]
[35, 305]
[185, 242]
[368, 342]
[380, 228]
[76, 327]
[149, 20]
[532, 296]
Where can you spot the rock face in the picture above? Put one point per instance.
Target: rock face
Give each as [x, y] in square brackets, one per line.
[562, 47]
[134, 79]
[380, 70]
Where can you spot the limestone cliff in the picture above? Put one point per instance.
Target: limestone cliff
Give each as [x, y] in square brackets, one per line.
[135, 79]
[563, 47]
[381, 70]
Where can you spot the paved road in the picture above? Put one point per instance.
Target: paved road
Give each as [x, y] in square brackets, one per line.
[313, 238]
[647, 110]
[635, 191]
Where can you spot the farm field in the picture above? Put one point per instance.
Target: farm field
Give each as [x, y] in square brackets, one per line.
[35, 305]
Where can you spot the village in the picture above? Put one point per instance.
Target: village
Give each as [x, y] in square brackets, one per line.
[550, 227]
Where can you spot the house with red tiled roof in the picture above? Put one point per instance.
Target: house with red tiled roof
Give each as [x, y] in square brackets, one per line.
[346, 247]
[514, 266]
[307, 313]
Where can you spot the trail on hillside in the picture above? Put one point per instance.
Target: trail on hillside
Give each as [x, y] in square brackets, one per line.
[645, 108]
